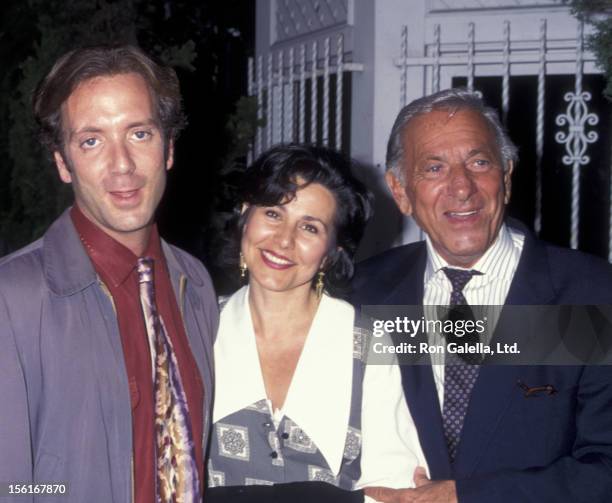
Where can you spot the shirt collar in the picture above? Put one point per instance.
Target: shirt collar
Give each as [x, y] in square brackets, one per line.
[487, 264]
[108, 255]
[319, 396]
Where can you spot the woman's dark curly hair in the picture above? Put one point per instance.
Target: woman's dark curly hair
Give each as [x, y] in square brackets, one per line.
[277, 175]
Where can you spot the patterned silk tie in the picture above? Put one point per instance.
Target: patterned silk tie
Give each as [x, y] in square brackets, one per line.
[459, 376]
[177, 474]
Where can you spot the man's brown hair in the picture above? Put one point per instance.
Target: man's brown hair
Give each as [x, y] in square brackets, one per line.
[83, 64]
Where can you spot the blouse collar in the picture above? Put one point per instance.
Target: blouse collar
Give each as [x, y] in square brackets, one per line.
[319, 396]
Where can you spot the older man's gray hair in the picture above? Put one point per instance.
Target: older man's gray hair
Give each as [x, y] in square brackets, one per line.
[451, 100]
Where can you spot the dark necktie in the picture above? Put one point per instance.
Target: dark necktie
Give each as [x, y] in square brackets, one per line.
[459, 375]
[177, 474]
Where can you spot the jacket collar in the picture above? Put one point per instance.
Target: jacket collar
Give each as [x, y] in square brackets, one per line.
[409, 289]
[178, 266]
[67, 267]
[532, 282]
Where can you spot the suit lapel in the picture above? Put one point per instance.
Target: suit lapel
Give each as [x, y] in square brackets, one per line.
[417, 380]
[490, 398]
[422, 398]
[532, 283]
[496, 384]
[409, 288]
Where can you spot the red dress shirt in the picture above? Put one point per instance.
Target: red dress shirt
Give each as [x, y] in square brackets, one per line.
[116, 266]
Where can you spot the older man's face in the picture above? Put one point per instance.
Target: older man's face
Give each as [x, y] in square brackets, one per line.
[455, 186]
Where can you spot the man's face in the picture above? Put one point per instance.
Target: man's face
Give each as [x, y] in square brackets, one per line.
[114, 154]
[455, 187]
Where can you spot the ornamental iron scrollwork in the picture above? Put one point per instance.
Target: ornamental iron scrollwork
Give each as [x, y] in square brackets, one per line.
[575, 139]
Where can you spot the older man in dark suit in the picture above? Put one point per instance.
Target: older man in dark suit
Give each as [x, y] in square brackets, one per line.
[449, 167]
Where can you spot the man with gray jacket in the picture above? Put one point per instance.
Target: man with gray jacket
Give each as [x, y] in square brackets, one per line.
[106, 330]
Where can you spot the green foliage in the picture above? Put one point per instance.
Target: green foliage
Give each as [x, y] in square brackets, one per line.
[33, 34]
[599, 14]
[180, 57]
[590, 7]
[241, 127]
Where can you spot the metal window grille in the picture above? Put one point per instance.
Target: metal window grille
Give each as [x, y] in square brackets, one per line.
[299, 92]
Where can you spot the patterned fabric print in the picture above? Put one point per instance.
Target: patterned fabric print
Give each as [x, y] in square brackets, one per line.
[257, 482]
[459, 377]
[215, 478]
[320, 474]
[360, 338]
[352, 447]
[298, 462]
[261, 406]
[177, 474]
[233, 441]
[459, 380]
[298, 440]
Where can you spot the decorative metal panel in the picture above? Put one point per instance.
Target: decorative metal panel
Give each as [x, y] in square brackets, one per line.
[452, 5]
[290, 77]
[295, 18]
[577, 139]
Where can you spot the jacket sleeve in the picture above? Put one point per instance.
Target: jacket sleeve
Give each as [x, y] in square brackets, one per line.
[390, 445]
[583, 477]
[16, 464]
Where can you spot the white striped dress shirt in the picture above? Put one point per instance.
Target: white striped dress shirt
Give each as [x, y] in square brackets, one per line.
[497, 266]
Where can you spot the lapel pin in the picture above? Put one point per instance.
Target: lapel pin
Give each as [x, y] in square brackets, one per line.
[531, 391]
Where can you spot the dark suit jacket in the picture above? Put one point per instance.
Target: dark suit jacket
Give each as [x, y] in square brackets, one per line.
[513, 449]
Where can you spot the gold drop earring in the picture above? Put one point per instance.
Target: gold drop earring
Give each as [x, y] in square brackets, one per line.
[243, 267]
[319, 286]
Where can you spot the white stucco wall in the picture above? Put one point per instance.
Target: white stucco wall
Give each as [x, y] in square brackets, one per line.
[372, 31]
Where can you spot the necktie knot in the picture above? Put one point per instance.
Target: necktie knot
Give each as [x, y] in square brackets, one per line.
[459, 278]
[145, 270]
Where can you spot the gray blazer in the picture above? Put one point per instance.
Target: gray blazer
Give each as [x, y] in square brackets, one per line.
[65, 404]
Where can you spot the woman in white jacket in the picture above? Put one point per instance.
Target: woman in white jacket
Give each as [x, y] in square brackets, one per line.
[295, 400]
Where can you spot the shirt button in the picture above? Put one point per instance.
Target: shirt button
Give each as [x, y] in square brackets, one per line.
[285, 436]
[274, 454]
[267, 425]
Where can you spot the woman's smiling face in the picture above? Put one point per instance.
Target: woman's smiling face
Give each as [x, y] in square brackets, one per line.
[284, 246]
